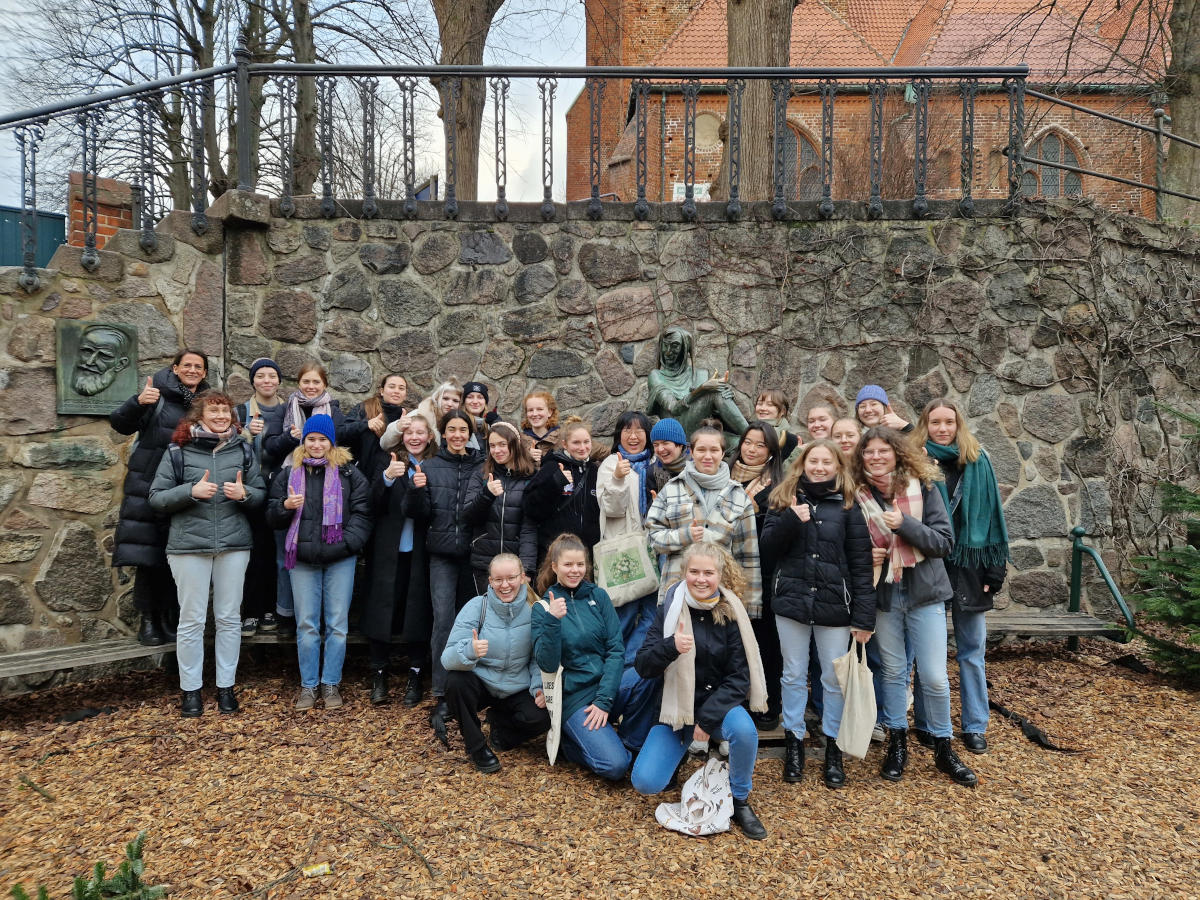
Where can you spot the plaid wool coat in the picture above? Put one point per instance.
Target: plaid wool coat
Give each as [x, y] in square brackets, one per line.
[730, 524]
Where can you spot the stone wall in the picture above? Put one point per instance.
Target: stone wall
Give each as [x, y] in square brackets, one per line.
[1059, 330]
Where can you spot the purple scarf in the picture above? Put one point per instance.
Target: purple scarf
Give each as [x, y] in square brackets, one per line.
[331, 508]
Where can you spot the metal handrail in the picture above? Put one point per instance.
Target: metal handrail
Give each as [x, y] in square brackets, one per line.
[1033, 160]
[1078, 548]
[1142, 126]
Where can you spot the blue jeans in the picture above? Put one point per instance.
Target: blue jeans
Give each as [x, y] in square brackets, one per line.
[970, 641]
[193, 572]
[636, 617]
[664, 749]
[284, 604]
[608, 751]
[794, 638]
[322, 591]
[924, 628]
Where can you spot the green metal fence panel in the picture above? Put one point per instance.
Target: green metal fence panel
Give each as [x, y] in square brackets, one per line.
[51, 232]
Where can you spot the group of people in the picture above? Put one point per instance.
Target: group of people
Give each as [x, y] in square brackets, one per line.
[466, 543]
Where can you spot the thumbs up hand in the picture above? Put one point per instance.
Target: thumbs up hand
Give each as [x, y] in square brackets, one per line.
[558, 606]
[566, 474]
[204, 489]
[395, 469]
[536, 453]
[623, 468]
[149, 393]
[377, 424]
[235, 490]
[683, 641]
[419, 479]
[495, 485]
[256, 425]
[294, 500]
[696, 530]
[478, 647]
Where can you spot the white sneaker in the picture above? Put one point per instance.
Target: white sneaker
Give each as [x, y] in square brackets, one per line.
[723, 749]
[879, 734]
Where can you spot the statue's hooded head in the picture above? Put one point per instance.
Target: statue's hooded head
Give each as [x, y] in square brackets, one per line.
[675, 350]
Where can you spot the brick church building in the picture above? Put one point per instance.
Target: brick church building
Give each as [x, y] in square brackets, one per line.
[1086, 51]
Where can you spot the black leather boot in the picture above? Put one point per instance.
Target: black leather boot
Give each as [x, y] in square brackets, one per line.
[149, 634]
[835, 772]
[745, 819]
[793, 758]
[191, 704]
[414, 693]
[947, 761]
[897, 755]
[379, 687]
[227, 701]
[168, 624]
[924, 738]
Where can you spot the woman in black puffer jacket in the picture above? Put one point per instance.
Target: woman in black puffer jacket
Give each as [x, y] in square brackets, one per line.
[496, 511]
[141, 536]
[824, 590]
[561, 498]
[446, 483]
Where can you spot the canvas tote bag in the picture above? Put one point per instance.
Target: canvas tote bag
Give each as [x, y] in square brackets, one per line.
[858, 693]
[552, 692]
[705, 805]
[624, 566]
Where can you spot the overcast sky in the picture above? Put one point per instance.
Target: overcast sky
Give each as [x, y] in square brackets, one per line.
[564, 48]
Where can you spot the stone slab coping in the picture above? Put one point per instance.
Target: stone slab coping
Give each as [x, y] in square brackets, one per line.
[1001, 623]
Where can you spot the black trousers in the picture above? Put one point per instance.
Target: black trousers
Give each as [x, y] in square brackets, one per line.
[154, 592]
[767, 634]
[514, 719]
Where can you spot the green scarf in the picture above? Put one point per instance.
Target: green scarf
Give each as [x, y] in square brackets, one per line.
[980, 535]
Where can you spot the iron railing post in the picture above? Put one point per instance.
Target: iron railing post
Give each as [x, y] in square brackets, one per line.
[408, 95]
[1077, 533]
[828, 89]
[500, 87]
[369, 94]
[1160, 120]
[691, 93]
[969, 87]
[245, 179]
[641, 209]
[148, 239]
[781, 91]
[921, 90]
[326, 88]
[736, 87]
[878, 90]
[1016, 140]
[547, 88]
[28, 138]
[89, 123]
[595, 91]
[287, 129]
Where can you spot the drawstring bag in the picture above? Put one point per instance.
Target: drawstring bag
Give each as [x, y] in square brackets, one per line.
[552, 693]
[858, 693]
[705, 805]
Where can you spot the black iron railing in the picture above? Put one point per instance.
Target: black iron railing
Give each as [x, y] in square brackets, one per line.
[306, 122]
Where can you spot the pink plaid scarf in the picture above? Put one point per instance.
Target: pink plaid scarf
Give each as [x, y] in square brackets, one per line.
[901, 554]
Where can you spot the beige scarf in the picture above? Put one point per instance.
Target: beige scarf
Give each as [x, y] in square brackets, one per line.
[679, 681]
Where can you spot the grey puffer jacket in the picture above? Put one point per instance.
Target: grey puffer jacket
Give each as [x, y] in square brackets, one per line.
[216, 525]
[927, 581]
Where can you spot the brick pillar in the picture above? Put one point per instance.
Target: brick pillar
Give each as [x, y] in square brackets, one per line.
[114, 209]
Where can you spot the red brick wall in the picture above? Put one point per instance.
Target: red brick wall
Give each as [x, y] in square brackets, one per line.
[114, 209]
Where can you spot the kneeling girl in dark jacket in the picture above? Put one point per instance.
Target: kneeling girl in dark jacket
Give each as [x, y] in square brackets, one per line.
[324, 503]
[823, 591]
[702, 645]
[496, 511]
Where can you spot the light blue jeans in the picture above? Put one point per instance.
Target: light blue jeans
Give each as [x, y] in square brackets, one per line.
[924, 627]
[664, 748]
[831, 643]
[970, 642]
[193, 573]
[322, 591]
[284, 605]
[608, 751]
[636, 617]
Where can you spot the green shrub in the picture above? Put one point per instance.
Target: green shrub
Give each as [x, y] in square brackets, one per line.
[1170, 582]
[126, 884]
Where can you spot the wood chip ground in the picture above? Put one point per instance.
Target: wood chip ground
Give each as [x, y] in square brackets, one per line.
[235, 805]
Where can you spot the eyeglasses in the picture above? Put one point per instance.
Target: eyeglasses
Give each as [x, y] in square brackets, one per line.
[510, 579]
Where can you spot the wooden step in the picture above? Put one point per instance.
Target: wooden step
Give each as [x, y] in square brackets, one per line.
[1050, 624]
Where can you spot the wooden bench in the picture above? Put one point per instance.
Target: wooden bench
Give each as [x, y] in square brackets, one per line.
[1057, 624]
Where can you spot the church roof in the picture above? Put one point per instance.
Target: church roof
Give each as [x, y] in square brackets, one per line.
[1109, 45]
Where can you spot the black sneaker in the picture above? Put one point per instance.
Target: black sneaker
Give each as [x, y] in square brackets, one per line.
[485, 760]
[226, 700]
[249, 626]
[286, 628]
[268, 623]
[191, 705]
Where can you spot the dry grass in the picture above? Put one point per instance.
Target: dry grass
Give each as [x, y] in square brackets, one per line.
[234, 803]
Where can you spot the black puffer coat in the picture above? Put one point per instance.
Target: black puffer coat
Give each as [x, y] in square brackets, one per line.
[499, 523]
[357, 436]
[968, 582]
[823, 569]
[562, 507]
[141, 535]
[448, 491]
[356, 514]
[722, 673]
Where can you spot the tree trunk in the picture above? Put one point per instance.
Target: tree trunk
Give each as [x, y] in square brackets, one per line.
[759, 33]
[1183, 84]
[463, 27]
[306, 157]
